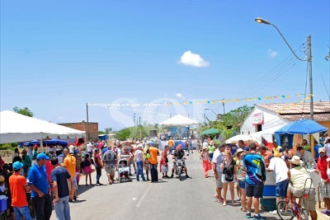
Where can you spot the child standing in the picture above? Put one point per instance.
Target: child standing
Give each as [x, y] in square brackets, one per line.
[88, 169]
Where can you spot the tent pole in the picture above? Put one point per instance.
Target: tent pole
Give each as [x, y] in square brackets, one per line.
[41, 145]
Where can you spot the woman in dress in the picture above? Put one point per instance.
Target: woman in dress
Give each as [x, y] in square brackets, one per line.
[88, 169]
[206, 161]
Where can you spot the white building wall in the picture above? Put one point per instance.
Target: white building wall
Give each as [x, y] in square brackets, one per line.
[271, 119]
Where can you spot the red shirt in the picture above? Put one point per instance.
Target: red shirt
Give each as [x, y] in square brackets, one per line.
[322, 165]
[17, 188]
[49, 168]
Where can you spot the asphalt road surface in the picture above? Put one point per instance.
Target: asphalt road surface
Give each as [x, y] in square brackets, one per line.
[169, 199]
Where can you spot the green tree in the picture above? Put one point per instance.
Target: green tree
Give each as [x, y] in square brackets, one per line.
[235, 118]
[108, 130]
[23, 111]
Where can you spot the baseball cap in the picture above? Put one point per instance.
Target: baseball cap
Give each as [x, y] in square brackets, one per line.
[17, 165]
[239, 150]
[42, 156]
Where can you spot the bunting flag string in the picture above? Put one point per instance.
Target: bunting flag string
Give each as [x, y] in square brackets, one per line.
[294, 105]
[199, 102]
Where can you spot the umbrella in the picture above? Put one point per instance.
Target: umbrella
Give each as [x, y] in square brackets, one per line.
[211, 131]
[240, 137]
[50, 142]
[302, 126]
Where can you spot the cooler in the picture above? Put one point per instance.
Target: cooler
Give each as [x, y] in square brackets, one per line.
[268, 200]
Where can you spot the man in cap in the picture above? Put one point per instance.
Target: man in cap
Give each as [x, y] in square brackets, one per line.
[60, 178]
[17, 184]
[322, 167]
[37, 180]
[301, 183]
[217, 160]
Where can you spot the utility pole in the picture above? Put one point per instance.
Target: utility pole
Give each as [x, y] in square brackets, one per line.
[223, 106]
[87, 119]
[309, 60]
[134, 119]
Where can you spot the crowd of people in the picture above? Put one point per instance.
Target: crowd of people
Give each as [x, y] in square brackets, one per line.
[37, 183]
[244, 167]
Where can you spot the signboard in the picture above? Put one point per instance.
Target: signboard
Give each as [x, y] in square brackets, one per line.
[258, 118]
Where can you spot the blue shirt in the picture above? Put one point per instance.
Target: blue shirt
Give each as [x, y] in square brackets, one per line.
[255, 169]
[38, 177]
[316, 150]
[104, 150]
[60, 175]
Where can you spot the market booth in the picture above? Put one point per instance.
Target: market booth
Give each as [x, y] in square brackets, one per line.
[300, 127]
[15, 127]
[179, 126]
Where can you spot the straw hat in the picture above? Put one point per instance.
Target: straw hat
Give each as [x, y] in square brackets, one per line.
[239, 150]
[295, 160]
[205, 148]
[322, 149]
[211, 143]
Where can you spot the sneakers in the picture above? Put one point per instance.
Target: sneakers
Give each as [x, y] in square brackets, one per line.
[248, 215]
[258, 217]
[273, 212]
[327, 212]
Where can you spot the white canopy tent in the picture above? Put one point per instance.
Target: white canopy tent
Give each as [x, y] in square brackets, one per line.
[15, 127]
[242, 137]
[179, 120]
[266, 134]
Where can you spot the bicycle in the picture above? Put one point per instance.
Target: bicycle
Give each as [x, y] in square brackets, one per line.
[287, 213]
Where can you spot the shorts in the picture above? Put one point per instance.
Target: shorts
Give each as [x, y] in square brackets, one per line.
[325, 190]
[110, 169]
[308, 203]
[255, 191]
[281, 188]
[226, 181]
[241, 184]
[219, 180]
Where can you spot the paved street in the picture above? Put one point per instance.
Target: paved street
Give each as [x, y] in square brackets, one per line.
[168, 199]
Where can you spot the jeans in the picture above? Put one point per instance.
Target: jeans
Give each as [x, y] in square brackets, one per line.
[98, 173]
[62, 209]
[139, 167]
[22, 212]
[154, 172]
[42, 207]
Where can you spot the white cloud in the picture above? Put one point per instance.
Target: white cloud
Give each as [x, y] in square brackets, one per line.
[189, 58]
[272, 53]
[179, 96]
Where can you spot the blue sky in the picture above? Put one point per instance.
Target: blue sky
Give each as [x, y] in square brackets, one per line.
[58, 55]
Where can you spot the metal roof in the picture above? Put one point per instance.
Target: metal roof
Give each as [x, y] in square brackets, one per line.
[295, 111]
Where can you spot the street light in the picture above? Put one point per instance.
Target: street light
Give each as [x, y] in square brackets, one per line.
[309, 60]
[207, 109]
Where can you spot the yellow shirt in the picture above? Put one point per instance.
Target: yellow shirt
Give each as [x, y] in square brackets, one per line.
[70, 164]
[170, 143]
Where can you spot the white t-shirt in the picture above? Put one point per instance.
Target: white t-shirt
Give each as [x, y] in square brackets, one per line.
[327, 148]
[89, 147]
[218, 158]
[278, 166]
[139, 155]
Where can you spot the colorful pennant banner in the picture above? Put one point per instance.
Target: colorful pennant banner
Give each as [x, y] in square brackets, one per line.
[116, 105]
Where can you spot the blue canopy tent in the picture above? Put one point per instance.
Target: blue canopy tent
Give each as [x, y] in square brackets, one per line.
[50, 142]
[302, 126]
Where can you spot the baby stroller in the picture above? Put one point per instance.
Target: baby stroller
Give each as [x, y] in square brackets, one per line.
[123, 169]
